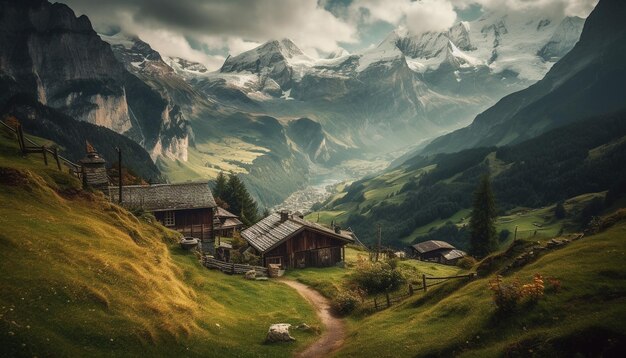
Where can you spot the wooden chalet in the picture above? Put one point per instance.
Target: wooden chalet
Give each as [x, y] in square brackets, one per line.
[437, 251]
[188, 208]
[292, 242]
[226, 223]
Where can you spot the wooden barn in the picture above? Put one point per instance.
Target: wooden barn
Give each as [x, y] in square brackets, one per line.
[437, 251]
[188, 208]
[292, 242]
[226, 223]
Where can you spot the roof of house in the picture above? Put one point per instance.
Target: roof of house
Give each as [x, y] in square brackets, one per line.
[223, 213]
[228, 224]
[162, 197]
[453, 254]
[431, 245]
[270, 232]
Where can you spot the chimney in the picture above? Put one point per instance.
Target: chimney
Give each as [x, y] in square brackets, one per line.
[284, 215]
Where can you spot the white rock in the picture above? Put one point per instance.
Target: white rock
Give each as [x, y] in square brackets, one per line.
[279, 332]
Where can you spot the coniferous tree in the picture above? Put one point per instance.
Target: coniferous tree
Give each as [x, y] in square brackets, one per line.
[220, 186]
[483, 238]
[559, 210]
[240, 201]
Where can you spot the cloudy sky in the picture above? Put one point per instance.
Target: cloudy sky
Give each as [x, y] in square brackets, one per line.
[208, 30]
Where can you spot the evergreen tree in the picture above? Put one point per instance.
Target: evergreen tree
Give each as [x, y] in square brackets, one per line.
[483, 238]
[219, 190]
[559, 210]
[240, 201]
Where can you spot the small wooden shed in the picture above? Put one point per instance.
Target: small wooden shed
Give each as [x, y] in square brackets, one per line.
[293, 242]
[437, 251]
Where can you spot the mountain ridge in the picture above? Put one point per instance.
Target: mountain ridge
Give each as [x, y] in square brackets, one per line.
[567, 93]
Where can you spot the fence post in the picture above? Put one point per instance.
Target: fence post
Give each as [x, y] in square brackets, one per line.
[410, 290]
[375, 304]
[45, 155]
[233, 269]
[20, 138]
[55, 152]
[387, 296]
[424, 281]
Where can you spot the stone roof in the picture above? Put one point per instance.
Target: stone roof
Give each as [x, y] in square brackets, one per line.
[431, 245]
[270, 232]
[165, 197]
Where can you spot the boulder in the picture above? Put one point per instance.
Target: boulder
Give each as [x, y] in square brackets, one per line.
[250, 275]
[279, 332]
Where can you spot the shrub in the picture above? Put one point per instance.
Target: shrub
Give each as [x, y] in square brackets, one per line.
[345, 302]
[466, 262]
[505, 295]
[534, 290]
[376, 277]
[554, 284]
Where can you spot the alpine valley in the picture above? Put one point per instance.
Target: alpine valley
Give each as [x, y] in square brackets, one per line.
[455, 189]
[273, 114]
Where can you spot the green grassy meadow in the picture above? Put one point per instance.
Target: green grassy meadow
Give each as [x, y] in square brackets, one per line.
[587, 317]
[84, 277]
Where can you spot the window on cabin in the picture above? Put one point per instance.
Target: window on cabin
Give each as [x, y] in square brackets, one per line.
[169, 219]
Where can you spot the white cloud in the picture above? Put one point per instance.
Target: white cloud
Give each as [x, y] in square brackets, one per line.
[234, 25]
[580, 8]
[391, 11]
[430, 15]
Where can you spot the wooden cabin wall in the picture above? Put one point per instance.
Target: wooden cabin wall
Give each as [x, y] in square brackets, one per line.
[308, 249]
[196, 223]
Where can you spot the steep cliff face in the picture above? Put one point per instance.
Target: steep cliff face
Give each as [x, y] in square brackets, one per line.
[50, 53]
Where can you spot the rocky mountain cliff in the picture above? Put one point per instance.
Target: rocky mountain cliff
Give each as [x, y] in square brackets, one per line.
[50, 53]
[407, 89]
[590, 80]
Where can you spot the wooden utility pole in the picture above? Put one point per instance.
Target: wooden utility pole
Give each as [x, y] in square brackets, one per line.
[119, 173]
[515, 235]
[378, 245]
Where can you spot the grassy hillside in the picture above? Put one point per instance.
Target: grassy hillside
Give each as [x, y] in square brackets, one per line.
[587, 316]
[83, 277]
[328, 281]
[424, 193]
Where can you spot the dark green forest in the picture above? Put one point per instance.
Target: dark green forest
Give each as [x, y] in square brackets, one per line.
[557, 165]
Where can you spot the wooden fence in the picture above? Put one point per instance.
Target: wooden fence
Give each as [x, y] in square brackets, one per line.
[387, 300]
[381, 302]
[233, 268]
[28, 146]
[440, 280]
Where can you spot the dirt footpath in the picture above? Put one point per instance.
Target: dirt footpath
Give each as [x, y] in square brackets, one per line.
[334, 332]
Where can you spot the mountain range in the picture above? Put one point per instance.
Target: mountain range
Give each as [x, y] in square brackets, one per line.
[274, 114]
